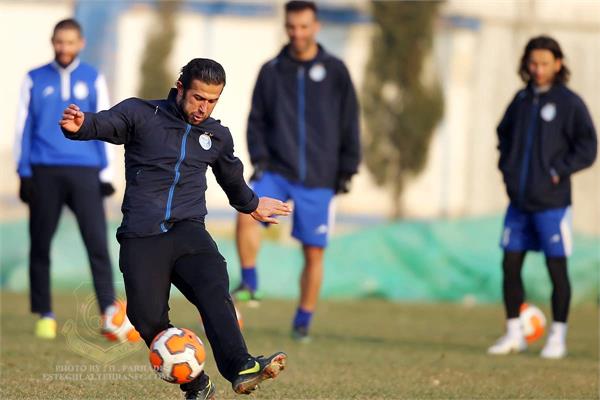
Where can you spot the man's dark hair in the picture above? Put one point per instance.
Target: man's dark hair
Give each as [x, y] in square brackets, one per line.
[544, 43]
[69, 23]
[202, 69]
[299, 5]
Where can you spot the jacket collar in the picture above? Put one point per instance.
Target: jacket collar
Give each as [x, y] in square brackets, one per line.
[176, 110]
[286, 58]
[69, 68]
[556, 87]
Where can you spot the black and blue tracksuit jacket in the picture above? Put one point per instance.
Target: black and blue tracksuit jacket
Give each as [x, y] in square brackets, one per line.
[541, 135]
[304, 121]
[165, 163]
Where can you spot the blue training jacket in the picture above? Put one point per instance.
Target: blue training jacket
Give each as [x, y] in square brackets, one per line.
[45, 93]
[166, 160]
[304, 120]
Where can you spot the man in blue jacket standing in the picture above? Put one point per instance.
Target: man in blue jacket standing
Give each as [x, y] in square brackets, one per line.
[169, 145]
[545, 136]
[56, 171]
[303, 139]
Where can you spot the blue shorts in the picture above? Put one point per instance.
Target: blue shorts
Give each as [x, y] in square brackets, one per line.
[311, 206]
[549, 231]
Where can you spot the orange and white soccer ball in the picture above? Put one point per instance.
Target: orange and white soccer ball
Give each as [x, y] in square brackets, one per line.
[115, 324]
[177, 355]
[533, 322]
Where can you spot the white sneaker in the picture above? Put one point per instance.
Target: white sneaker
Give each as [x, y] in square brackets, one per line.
[508, 344]
[554, 349]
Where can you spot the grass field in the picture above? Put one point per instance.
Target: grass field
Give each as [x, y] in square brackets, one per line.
[361, 350]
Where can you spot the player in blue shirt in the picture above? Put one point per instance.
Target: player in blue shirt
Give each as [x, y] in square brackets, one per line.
[303, 139]
[55, 171]
[545, 136]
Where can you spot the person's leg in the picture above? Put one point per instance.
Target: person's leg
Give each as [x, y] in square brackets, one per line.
[248, 239]
[85, 200]
[45, 208]
[146, 267]
[518, 237]
[200, 273]
[561, 288]
[512, 283]
[554, 229]
[312, 223]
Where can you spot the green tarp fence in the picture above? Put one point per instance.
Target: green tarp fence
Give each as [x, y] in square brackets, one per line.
[425, 261]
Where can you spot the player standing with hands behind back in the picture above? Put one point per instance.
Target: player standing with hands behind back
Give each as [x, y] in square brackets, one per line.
[303, 138]
[55, 171]
[169, 145]
[545, 136]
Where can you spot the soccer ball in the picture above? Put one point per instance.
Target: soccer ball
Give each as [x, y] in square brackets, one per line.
[115, 324]
[533, 322]
[177, 355]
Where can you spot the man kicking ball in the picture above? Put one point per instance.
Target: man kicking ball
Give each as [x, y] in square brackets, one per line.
[169, 144]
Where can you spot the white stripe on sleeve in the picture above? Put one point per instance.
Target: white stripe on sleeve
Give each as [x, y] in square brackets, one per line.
[103, 103]
[22, 114]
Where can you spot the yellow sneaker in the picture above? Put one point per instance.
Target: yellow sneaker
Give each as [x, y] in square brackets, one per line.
[45, 328]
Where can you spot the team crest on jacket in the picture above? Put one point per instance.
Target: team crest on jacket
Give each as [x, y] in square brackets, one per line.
[548, 112]
[80, 90]
[317, 72]
[205, 141]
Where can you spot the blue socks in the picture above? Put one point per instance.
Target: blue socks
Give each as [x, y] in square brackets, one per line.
[302, 318]
[48, 314]
[249, 278]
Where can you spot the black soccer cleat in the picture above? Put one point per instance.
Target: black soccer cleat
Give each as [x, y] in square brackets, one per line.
[300, 334]
[257, 370]
[208, 393]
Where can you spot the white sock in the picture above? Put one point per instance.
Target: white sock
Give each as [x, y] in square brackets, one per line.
[513, 327]
[558, 332]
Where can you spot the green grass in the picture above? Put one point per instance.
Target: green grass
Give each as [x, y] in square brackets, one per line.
[361, 349]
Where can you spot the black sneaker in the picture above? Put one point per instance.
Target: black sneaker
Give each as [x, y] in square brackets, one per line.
[300, 334]
[208, 393]
[257, 370]
[244, 294]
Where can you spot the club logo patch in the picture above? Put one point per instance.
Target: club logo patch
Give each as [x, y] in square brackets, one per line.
[80, 90]
[48, 90]
[548, 112]
[205, 141]
[318, 72]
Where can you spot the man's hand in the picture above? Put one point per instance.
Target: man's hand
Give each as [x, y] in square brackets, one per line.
[26, 190]
[342, 184]
[106, 189]
[259, 170]
[72, 119]
[555, 176]
[268, 207]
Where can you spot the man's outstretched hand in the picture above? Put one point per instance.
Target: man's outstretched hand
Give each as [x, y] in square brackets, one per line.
[268, 208]
[72, 119]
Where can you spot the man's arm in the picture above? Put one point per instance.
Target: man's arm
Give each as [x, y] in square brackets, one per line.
[23, 137]
[113, 126]
[584, 144]
[504, 131]
[24, 130]
[229, 171]
[258, 125]
[350, 140]
[107, 173]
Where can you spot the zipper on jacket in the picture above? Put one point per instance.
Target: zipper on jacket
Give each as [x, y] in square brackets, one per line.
[301, 125]
[533, 121]
[163, 227]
